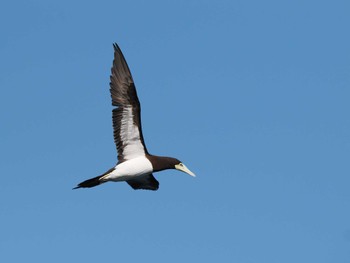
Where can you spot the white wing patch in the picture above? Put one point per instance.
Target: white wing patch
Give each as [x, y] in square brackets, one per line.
[130, 136]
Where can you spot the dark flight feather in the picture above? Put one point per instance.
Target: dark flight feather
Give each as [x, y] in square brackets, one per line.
[124, 96]
[147, 182]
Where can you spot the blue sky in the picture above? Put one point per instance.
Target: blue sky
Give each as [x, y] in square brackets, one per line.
[253, 96]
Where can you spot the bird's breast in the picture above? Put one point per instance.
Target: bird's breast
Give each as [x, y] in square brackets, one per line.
[130, 169]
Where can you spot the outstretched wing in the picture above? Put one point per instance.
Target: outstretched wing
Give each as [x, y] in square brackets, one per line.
[126, 117]
[146, 182]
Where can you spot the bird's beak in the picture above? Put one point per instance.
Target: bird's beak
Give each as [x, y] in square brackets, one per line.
[181, 167]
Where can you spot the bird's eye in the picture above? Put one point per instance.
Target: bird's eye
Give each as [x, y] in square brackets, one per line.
[181, 164]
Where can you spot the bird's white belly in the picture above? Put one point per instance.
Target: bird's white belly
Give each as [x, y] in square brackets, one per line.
[130, 169]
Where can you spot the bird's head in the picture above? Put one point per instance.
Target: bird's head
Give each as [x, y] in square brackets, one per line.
[161, 163]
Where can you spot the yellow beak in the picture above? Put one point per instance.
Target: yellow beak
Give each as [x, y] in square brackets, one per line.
[181, 167]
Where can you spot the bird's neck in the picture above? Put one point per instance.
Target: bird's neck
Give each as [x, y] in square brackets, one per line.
[160, 163]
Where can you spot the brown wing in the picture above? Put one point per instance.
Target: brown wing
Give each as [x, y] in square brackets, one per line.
[126, 118]
[146, 182]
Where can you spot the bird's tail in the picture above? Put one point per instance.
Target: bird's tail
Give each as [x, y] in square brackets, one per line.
[90, 182]
[94, 181]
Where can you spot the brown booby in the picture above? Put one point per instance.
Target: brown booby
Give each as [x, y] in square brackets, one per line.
[135, 164]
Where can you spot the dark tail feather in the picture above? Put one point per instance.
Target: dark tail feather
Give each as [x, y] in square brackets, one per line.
[90, 182]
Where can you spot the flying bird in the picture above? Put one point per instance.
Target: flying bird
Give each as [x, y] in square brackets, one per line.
[135, 164]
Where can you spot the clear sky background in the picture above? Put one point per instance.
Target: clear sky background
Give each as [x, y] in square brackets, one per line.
[253, 96]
